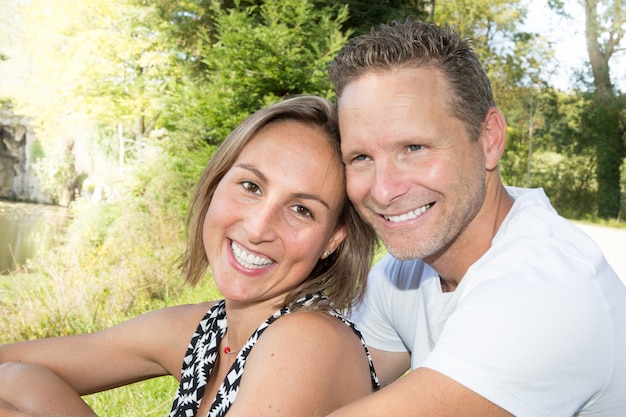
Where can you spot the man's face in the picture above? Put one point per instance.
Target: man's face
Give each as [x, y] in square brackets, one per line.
[411, 169]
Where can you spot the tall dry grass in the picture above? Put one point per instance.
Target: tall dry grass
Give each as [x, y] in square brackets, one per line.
[116, 262]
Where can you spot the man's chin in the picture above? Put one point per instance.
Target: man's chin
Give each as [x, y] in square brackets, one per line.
[400, 251]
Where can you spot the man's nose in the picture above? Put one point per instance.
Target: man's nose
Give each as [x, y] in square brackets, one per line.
[389, 182]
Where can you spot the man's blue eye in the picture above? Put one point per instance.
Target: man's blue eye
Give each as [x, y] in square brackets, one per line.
[415, 148]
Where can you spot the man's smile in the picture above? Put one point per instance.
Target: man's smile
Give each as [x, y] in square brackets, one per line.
[413, 214]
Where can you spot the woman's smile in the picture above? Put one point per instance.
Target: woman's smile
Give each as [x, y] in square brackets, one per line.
[247, 259]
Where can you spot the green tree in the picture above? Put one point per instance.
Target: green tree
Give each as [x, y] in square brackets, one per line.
[527, 115]
[605, 24]
[364, 14]
[510, 56]
[253, 56]
[98, 70]
[515, 63]
[603, 129]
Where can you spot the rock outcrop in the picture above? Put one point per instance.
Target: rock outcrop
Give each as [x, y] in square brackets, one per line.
[17, 181]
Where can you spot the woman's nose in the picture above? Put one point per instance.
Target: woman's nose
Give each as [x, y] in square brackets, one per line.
[261, 222]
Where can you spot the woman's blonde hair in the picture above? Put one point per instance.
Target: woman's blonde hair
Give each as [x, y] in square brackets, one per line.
[342, 275]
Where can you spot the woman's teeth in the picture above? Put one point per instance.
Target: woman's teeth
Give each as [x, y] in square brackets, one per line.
[249, 260]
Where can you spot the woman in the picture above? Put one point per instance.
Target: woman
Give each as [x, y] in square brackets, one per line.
[271, 218]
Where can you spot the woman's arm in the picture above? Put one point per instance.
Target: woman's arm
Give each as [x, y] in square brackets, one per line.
[150, 345]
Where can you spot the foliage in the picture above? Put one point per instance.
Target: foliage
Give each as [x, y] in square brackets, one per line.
[604, 30]
[254, 56]
[196, 68]
[506, 54]
[110, 267]
[119, 257]
[610, 151]
[55, 173]
[565, 157]
[367, 13]
[568, 181]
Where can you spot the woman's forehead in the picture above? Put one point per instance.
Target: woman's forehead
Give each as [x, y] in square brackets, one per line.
[293, 152]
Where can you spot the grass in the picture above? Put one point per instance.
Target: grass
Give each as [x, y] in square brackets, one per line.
[110, 268]
[146, 398]
[40, 318]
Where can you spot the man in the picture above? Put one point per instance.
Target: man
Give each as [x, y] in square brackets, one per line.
[498, 305]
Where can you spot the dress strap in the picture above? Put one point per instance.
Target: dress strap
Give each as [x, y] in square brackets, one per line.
[199, 361]
[203, 351]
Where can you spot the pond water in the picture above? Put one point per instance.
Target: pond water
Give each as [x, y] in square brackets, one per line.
[24, 228]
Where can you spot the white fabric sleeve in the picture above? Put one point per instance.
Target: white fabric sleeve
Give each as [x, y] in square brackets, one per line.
[392, 306]
[533, 340]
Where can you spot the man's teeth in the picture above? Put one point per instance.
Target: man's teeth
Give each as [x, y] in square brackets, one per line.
[408, 216]
[249, 260]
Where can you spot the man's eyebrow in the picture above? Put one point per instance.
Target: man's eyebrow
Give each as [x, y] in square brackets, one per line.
[304, 196]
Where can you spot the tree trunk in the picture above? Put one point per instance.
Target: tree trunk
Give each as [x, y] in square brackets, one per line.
[609, 141]
[610, 154]
[530, 152]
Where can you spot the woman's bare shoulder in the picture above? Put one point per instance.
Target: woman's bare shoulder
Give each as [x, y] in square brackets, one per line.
[312, 322]
[314, 340]
[312, 353]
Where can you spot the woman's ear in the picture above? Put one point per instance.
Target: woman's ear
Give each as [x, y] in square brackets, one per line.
[335, 240]
[493, 137]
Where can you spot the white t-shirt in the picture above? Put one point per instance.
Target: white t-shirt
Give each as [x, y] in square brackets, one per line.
[537, 325]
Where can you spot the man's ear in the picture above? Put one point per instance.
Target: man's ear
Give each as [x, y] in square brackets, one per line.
[335, 240]
[493, 137]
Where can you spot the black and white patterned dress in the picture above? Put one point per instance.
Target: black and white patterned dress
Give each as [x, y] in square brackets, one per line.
[202, 353]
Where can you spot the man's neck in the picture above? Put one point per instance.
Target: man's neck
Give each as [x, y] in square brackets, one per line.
[473, 242]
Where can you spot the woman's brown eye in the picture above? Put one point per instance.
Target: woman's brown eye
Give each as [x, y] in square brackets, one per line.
[250, 186]
[303, 211]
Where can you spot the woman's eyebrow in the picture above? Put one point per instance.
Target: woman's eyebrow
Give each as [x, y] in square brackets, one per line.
[253, 170]
[307, 196]
[304, 196]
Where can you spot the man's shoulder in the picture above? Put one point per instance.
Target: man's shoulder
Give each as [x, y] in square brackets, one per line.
[402, 274]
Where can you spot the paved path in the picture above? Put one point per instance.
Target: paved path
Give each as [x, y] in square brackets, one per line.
[613, 243]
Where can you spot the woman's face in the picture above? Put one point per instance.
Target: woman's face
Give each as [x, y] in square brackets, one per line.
[274, 213]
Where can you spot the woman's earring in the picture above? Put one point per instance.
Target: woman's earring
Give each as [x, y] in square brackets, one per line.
[326, 254]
